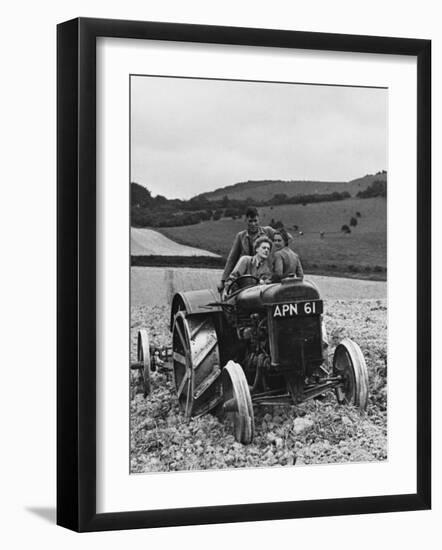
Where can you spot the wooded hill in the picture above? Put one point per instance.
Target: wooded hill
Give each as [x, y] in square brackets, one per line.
[263, 190]
[232, 201]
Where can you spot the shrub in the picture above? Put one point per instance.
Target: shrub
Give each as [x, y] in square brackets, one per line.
[377, 189]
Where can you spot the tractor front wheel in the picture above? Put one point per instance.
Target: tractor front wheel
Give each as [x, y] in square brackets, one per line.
[238, 402]
[349, 364]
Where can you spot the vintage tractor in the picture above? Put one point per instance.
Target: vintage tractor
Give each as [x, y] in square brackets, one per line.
[260, 345]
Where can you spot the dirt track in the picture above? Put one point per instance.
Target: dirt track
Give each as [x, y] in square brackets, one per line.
[153, 286]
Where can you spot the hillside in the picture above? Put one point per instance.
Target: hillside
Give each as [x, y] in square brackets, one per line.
[361, 253]
[359, 184]
[330, 216]
[266, 189]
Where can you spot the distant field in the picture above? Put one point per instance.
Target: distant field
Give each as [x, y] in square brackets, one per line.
[146, 242]
[364, 251]
[331, 216]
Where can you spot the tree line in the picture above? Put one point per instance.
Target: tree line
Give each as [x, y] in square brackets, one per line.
[158, 211]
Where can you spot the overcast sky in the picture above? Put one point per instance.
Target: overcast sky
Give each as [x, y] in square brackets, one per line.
[190, 136]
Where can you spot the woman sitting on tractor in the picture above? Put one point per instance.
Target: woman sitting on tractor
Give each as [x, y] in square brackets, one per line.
[285, 261]
[257, 266]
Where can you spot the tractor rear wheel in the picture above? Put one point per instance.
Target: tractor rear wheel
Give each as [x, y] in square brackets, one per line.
[238, 402]
[143, 357]
[349, 363]
[196, 363]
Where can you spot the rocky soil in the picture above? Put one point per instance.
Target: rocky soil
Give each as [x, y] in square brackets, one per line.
[312, 433]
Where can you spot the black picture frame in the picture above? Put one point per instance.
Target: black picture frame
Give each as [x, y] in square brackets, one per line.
[77, 287]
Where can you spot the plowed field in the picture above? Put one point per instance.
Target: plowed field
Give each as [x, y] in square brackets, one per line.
[312, 433]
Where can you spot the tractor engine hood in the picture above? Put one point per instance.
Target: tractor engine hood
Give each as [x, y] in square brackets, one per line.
[288, 291]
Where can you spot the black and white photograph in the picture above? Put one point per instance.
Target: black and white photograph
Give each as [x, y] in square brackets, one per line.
[220, 299]
[258, 274]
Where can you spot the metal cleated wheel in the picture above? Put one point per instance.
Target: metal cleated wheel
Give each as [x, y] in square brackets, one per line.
[143, 357]
[196, 364]
[238, 402]
[349, 363]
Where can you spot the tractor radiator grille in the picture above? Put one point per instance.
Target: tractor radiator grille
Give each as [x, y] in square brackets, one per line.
[298, 341]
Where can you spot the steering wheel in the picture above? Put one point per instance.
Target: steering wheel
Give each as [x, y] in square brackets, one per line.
[241, 282]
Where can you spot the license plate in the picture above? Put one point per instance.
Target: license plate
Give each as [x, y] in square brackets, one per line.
[311, 307]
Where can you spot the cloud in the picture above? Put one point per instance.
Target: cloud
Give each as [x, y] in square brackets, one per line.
[194, 135]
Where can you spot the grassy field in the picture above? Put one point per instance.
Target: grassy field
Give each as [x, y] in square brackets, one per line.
[363, 251]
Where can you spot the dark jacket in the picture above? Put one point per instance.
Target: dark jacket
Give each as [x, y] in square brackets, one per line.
[285, 261]
[243, 246]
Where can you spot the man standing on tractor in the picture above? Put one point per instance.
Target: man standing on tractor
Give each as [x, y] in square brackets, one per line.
[243, 244]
